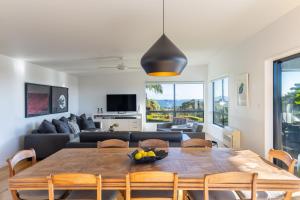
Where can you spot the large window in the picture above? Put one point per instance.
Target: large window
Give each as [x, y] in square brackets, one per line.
[220, 102]
[167, 100]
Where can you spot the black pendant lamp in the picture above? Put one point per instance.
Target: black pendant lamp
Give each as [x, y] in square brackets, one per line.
[163, 58]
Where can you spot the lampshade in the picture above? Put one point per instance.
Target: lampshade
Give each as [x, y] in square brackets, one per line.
[163, 59]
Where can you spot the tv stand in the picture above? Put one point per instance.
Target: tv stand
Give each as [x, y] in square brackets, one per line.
[126, 121]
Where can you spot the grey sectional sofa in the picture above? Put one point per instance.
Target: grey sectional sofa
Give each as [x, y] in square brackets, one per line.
[47, 144]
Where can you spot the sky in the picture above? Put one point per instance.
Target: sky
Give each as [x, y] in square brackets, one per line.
[290, 74]
[183, 91]
[288, 80]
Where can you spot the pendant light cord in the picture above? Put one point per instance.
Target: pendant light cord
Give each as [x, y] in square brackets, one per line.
[163, 16]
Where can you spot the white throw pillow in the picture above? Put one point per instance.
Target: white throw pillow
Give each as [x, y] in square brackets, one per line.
[74, 126]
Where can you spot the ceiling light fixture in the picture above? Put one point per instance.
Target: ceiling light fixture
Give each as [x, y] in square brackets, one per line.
[164, 58]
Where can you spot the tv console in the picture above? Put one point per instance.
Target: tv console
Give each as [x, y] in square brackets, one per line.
[126, 121]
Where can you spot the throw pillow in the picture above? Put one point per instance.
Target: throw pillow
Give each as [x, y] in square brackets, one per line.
[79, 119]
[74, 126]
[61, 127]
[46, 127]
[64, 119]
[72, 116]
[88, 123]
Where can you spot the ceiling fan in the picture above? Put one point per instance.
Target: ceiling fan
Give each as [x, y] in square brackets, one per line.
[121, 66]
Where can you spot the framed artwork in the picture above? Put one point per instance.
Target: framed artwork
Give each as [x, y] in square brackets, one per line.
[242, 82]
[37, 100]
[60, 99]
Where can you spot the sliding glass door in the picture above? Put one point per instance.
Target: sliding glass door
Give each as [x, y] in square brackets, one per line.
[287, 105]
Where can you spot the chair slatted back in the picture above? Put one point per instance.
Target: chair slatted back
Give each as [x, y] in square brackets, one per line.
[18, 157]
[196, 142]
[113, 143]
[153, 180]
[283, 156]
[287, 159]
[154, 143]
[230, 179]
[74, 181]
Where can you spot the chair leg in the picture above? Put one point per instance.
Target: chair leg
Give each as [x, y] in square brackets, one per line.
[14, 195]
[185, 195]
[123, 194]
[288, 196]
[65, 195]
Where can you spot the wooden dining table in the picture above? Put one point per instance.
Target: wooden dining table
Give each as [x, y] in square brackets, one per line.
[191, 164]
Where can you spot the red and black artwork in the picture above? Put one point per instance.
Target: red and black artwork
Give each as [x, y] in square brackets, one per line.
[37, 99]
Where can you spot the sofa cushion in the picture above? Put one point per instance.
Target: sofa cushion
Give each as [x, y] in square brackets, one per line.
[46, 144]
[100, 136]
[74, 144]
[64, 119]
[88, 123]
[61, 127]
[167, 136]
[46, 127]
[74, 126]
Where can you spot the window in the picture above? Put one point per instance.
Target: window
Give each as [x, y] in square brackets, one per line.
[220, 102]
[167, 100]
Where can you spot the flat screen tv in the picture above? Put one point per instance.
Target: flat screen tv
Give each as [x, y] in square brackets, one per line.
[120, 102]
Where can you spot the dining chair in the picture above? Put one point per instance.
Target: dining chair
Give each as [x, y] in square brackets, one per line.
[284, 157]
[78, 182]
[113, 143]
[290, 163]
[224, 179]
[160, 185]
[13, 163]
[196, 142]
[154, 143]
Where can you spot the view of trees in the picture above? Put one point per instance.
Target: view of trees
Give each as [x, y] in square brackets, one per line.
[290, 107]
[157, 88]
[220, 104]
[162, 107]
[291, 103]
[221, 113]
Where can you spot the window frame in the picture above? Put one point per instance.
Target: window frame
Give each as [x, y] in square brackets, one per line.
[213, 101]
[173, 111]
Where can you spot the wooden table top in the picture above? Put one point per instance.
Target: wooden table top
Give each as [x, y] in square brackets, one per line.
[191, 164]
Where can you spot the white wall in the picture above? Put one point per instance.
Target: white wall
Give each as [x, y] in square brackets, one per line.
[93, 89]
[13, 74]
[253, 56]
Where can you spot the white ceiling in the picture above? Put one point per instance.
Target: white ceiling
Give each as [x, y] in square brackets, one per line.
[81, 36]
